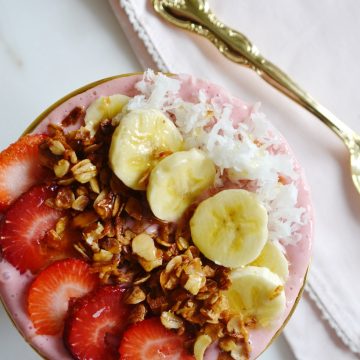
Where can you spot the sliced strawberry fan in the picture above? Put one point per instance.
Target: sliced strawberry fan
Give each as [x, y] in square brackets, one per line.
[95, 324]
[149, 339]
[24, 226]
[20, 168]
[49, 294]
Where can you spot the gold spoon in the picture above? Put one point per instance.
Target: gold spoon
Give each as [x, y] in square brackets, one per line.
[196, 16]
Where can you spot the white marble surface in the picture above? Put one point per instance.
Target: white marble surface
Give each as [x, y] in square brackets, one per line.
[48, 49]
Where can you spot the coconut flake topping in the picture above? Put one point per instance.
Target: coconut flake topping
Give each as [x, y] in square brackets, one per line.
[247, 151]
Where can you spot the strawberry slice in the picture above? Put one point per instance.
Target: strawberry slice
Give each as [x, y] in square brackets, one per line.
[23, 227]
[149, 339]
[95, 324]
[49, 294]
[20, 168]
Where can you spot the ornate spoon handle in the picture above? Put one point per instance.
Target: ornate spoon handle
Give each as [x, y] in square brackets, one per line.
[278, 79]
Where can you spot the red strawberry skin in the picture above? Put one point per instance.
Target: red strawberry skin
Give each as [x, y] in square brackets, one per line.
[23, 227]
[20, 168]
[149, 339]
[95, 324]
[49, 295]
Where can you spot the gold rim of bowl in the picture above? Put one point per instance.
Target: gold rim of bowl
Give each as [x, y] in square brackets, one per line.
[52, 107]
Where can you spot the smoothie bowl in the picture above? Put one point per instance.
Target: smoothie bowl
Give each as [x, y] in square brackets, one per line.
[152, 217]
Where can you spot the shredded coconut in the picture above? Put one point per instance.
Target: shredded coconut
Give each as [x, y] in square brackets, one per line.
[244, 150]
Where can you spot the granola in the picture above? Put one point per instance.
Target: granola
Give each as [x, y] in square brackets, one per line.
[126, 244]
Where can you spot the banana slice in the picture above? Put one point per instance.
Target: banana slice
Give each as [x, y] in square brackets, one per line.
[105, 107]
[257, 293]
[176, 181]
[141, 140]
[273, 258]
[230, 228]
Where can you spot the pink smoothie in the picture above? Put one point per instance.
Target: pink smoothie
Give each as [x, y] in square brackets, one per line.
[13, 286]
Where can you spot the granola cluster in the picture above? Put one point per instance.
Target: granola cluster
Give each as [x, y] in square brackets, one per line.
[112, 227]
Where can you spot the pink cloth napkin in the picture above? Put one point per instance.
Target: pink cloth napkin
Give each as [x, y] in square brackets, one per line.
[316, 43]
